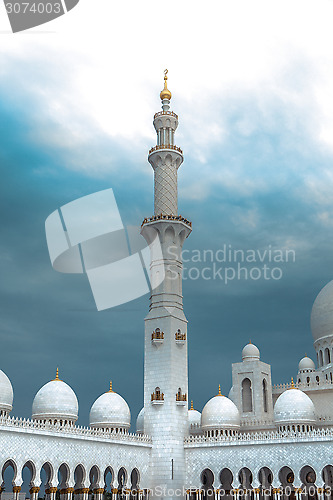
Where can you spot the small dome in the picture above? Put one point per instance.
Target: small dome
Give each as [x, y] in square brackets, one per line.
[110, 410]
[322, 313]
[220, 413]
[6, 393]
[294, 406]
[194, 420]
[250, 353]
[306, 364]
[55, 400]
[140, 421]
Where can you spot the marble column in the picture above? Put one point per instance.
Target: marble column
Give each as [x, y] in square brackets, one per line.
[50, 493]
[34, 490]
[16, 491]
[98, 493]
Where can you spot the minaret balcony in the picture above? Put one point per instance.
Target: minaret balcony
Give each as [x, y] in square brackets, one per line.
[166, 217]
[157, 337]
[181, 399]
[157, 398]
[180, 337]
[165, 146]
[161, 113]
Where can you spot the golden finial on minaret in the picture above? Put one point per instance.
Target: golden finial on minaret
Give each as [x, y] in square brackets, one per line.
[219, 394]
[110, 390]
[165, 93]
[57, 375]
[192, 405]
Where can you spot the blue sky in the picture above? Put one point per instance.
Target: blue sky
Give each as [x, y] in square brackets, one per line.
[255, 106]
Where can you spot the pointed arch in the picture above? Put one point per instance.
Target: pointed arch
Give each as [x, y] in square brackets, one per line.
[247, 404]
[108, 479]
[264, 395]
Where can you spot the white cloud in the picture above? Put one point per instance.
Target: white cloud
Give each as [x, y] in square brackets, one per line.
[107, 60]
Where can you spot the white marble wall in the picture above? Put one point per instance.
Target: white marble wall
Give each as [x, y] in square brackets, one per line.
[296, 453]
[21, 444]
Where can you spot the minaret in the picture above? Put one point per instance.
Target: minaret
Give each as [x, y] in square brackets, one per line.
[165, 370]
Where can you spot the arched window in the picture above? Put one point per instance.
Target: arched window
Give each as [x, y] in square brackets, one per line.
[321, 360]
[264, 395]
[247, 396]
[327, 356]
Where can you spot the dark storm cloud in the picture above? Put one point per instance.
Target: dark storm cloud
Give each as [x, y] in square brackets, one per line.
[49, 319]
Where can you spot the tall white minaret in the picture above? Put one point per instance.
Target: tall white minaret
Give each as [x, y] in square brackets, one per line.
[165, 370]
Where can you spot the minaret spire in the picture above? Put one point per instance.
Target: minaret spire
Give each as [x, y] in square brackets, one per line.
[165, 157]
[165, 94]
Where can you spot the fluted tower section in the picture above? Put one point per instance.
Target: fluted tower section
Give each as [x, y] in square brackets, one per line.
[165, 370]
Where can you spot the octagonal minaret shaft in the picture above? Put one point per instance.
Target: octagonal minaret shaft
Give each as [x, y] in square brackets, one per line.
[165, 157]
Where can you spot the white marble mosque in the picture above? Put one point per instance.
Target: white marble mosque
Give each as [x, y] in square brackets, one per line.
[263, 441]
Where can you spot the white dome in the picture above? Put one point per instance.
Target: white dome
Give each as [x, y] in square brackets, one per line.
[55, 400]
[322, 313]
[110, 410]
[306, 364]
[250, 353]
[6, 393]
[140, 421]
[294, 406]
[194, 420]
[220, 413]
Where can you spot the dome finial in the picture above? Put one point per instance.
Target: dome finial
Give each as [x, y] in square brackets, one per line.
[57, 375]
[219, 394]
[165, 93]
[192, 405]
[110, 390]
[292, 383]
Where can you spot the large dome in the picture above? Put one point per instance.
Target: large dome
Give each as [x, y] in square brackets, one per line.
[110, 410]
[194, 420]
[140, 422]
[294, 407]
[55, 400]
[6, 393]
[322, 313]
[220, 413]
[250, 353]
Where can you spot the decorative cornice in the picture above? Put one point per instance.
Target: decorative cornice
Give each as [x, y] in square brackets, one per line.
[271, 436]
[177, 218]
[165, 146]
[13, 423]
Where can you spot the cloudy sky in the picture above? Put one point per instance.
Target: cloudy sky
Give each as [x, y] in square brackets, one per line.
[252, 85]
